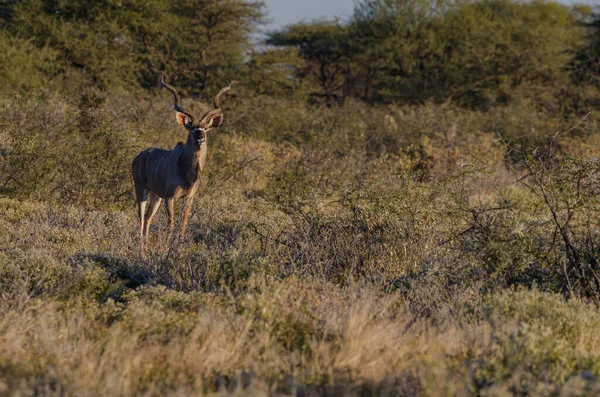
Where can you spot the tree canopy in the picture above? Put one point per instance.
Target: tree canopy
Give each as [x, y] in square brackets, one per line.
[130, 43]
[475, 54]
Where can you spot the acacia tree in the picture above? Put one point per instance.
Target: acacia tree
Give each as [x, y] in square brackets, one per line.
[586, 66]
[215, 36]
[100, 42]
[384, 41]
[475, 54]
[23, 65]
[326, 49]
[396, 45]
[129, 43]
[498, 49]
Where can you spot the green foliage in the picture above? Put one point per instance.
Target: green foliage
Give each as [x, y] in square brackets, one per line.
[488, 54]
[327, 52]
[586, 65]
[98, 42]
[539, 341]
[23, 65]
[476, 54]
[211, 38]
[87, 149]
[130, 44]
[272, 74]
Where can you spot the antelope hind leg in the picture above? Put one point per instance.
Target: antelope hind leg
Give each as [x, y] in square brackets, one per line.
[154, 204]
[141, 211]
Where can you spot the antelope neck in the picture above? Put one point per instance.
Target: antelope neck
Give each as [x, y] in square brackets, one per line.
[194, 157]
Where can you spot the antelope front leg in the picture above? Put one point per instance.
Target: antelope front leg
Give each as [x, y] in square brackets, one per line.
[169, 203]
[187, 208]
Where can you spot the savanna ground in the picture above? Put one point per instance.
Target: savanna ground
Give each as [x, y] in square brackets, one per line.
[345, 242]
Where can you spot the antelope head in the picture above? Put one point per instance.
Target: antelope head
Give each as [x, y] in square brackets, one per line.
[198, 127]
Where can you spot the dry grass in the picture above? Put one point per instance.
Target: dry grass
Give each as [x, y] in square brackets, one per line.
[294, 337]
[82, 314]
[359, 258]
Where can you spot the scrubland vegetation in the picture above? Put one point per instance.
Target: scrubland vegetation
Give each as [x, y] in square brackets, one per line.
[401, 203]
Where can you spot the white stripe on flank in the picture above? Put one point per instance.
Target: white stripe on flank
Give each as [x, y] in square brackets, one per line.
[158, 165]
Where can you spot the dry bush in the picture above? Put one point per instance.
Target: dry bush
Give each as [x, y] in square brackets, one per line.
[297, 336]
[355, 251]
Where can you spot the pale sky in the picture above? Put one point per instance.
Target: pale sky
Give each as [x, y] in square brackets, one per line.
[284, 12]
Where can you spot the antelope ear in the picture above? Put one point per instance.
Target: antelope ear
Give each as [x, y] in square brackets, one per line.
[215, 122]
[182, 119]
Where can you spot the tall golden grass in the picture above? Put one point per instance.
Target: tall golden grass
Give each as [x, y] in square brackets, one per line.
[410, 252]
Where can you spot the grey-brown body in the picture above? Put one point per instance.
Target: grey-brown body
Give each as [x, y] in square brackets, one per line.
[169, 173]
[160, 174]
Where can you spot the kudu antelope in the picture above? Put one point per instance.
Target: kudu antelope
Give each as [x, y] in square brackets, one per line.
[171, 174]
